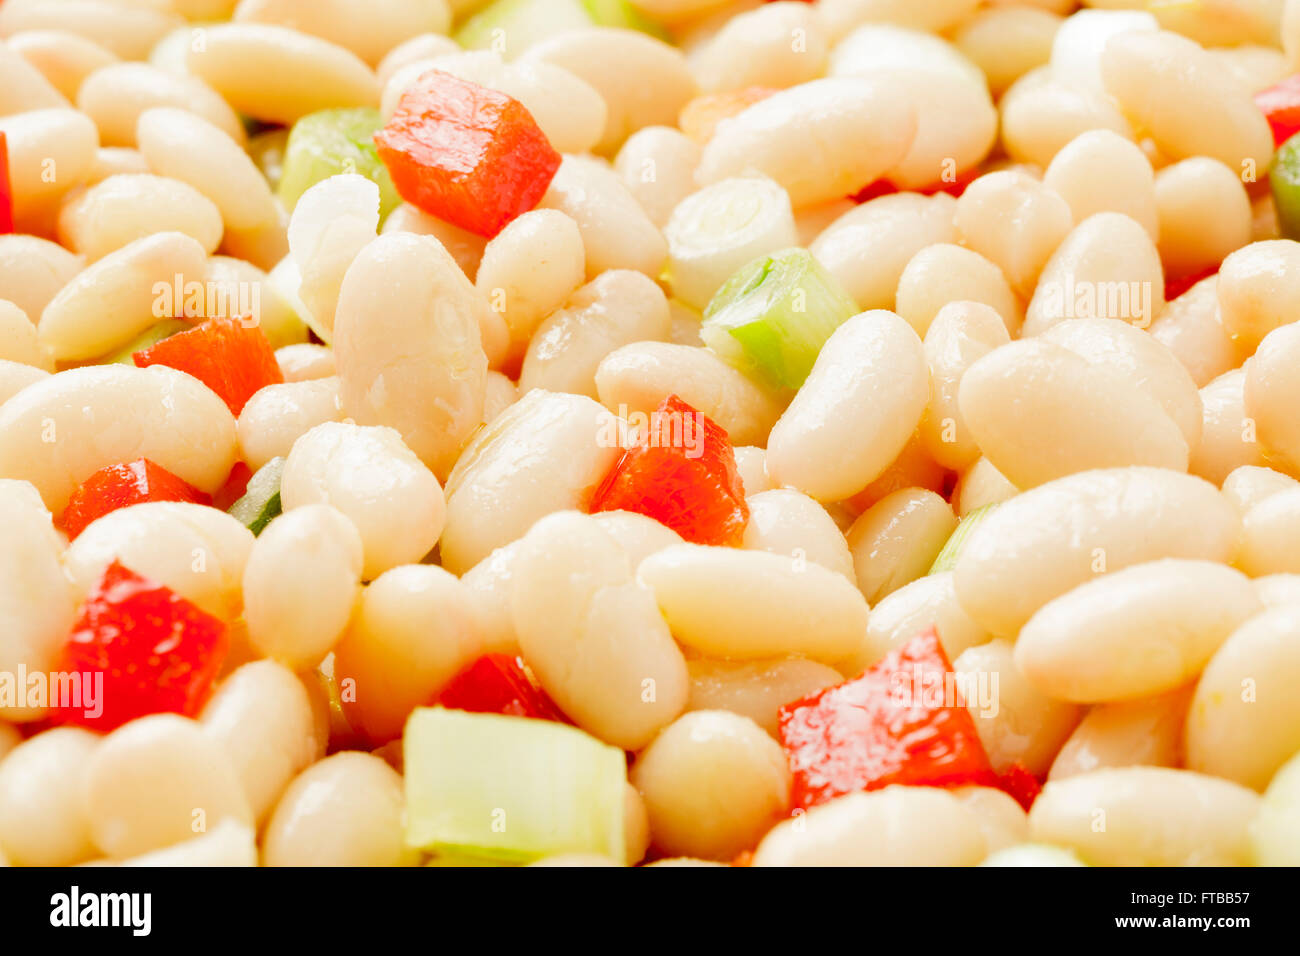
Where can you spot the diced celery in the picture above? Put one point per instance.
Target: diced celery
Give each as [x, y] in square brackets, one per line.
[261, 500]
[773, 316]
[150, 336]
[511, 789]
[330, 142]
[947, 559]
[509, 27]
[1284, 180]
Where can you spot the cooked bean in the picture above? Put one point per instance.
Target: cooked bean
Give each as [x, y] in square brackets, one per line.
[14, 377]
[1274, 833]
[50, 152]
[18, 341]
[789, 523]
[1146, 732]
[616, 232]
[499, 394]
[42, 820]
[756, 689]
[1228, 435]
[1106, 268]
[913, 468]
[1101, 171]
[1170, 87]
[593, 636]
[927, 602]
[198, 552]
[413, 630]
[713, 784]
[1248, 485]
[616, 308]
[128, 30]
[1278, 590]
[638, 377]
[116, 96]
[855, 412]
[1016, 722]
[657, 164]
[123, 208]
[278, 415]
[422, 46]
[249, 292]
[1040, 412]
[347, 810]
[33, 270]
[751, 465]
[104, 415]
[262, 717]
[182, 145]
[1049, 540]
[638, 535]
[1190, 327]
[1041, 114]
[64, 59]
[23, 86]
[859, 127]
[157, 781]
[229, 844]
[1014, 221]
[896, 540]
[979, 485]
[369, 31]
[897, 826]
[1270, 395]
[305, 362]
[771, 606]
[945, 273]
[489, 583]
[1146, 816]
[773, 46]
[1003, 822]
[867, 248]
[1204, 214]
[300, 583]
[643, 81]
[545, 453]
[373, 478]
[1140, 631]
[961, 333]
[1259, 290]
[240, 60]
[465, 247]
[1268, 543]
[1007, 42]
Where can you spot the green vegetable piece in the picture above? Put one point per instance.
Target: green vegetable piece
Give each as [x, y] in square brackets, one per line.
[261, 501]
[150, 336]
[773, 316]
[330, 142]
[511, 26]
[1284, 180]
[510, 789]
[947, 559]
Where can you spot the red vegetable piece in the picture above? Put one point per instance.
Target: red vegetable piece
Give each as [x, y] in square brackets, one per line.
[234, 488]
[1020, 784]
[500, 684]
[883, 187]
[903, 721]
[681, 471]
[469, 155]
[120, 485]
[1280, 105]
[1176, 287]
[157, 652]
[6, 189]
[232, 357]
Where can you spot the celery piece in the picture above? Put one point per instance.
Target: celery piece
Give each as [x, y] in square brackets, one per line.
[510, 27]
[510, 789]
[1284, 181]
[947, 559]
[261, 500]
[330, 142]
[150, 336]
[771, 318]
[620, 13]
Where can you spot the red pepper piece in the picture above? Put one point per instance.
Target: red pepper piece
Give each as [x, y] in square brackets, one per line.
[883, 187]
[681, 471]
[6, 189]
[120, 485]
[1176, 287]
[234, 488]
[1020, 784]
[228, 355]
[500, 684]
[1280, 105]
[469, 155]
[157, 652]
[903, 721]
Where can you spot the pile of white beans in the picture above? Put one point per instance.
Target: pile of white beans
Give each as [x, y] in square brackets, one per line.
[1133, 598]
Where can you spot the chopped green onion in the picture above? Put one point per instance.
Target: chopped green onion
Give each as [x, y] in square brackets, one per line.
[331, 142]
[947, 559]
[150, 336]
[510, 27]
[773, 316]
[1284, 180]
[261, 500]
[715, 231]
[510, 789]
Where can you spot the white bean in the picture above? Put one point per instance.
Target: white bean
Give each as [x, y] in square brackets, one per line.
[1014, 221]
[278, 415]
[756, 689]
[64, 59]
[1041, 114]
[18, 341]
[116, 95]
[369, 31]
[127, 29]
[1270, 394]
[123, 208]
[1248, 485]
[50, 152]
[422, 46]
[1190, 327]
[1204, 214]
[33, 270]
[944, 273]
[14, 377]
[1274, 833]
[895, 541]
[1008, 41]
[638, 535]
[1101, 171]
[465, 247]
[657, 164]
[1268, 543]
[1259, 290]
[788, 522]
[928, 602]
[1229, 436]
[1146, 732]
[1002, 820]
[962, 333]
[42, 820]
[305, 362]
[774, 46]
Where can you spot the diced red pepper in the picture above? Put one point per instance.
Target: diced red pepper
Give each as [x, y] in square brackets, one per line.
[883, 187]
[6, 190]
[157, 652]
[1176, 287]
[681, 471]
[1020, 784]
[120, 485]
[231, 356]
[500, 684]
[469, 155]
[1280, 105]
[234, 488]
[903, 721]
